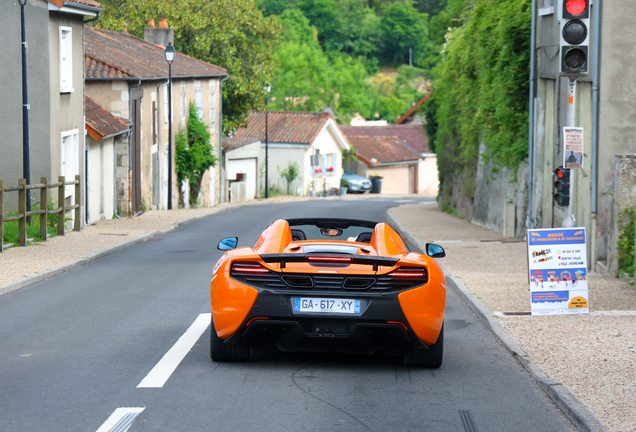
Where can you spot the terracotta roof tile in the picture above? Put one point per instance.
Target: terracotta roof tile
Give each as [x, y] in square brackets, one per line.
[112, 54]
[100, 122]
[231, 143]
[412, 135]
[384, 149]
[284, 127]
[412, 111]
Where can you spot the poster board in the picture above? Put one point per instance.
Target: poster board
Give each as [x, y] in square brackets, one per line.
[573, 146]
[557, 271]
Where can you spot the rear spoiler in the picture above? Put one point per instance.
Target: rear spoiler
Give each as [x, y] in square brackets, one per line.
[375, 261]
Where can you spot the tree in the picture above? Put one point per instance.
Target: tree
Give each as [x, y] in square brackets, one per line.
[290, 173]
[232, 34]
[403, 27]
[194, 154]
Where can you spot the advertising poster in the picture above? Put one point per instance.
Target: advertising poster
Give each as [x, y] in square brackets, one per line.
[557, 263]
[573, 143]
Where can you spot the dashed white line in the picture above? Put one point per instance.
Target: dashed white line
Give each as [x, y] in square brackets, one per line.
[158, 376]
[120, 420]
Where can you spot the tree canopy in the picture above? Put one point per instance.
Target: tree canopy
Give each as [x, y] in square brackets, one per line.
[232, 34]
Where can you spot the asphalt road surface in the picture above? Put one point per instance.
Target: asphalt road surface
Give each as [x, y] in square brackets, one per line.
[124, 342]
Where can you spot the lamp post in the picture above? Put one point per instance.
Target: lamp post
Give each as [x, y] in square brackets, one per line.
[170, 54]
[267, 89]
[26, 166]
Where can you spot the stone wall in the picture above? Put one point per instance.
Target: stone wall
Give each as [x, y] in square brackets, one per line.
[624, 198]
[489, 196]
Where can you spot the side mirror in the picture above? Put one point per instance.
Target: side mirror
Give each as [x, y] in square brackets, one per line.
[435, 251]
[228, 243]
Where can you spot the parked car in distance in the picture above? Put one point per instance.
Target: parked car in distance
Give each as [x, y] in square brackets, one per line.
[355, 183]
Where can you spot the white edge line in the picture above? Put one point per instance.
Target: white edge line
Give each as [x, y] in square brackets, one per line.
[116, 416]
[158, 376]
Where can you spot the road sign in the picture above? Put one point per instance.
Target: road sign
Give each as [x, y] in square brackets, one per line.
[557, 271]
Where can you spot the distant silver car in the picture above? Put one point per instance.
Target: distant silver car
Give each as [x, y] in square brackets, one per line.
[356, 183]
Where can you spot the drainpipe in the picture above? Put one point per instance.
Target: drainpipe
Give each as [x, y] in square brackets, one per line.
[130, 132]
[115, 139]
[596, 65]
[160, 149]
[221, 163]
[532, 119]
[95, 18]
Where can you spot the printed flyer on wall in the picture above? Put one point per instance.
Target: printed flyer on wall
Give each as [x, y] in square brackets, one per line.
[557, 263]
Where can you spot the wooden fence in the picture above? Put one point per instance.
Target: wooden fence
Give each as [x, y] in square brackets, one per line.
[43, 212]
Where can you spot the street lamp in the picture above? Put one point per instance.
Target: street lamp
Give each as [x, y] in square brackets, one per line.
[267, 89]
[170, 54]
[26, 169]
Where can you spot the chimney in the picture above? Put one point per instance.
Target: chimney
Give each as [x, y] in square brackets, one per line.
[162, 35]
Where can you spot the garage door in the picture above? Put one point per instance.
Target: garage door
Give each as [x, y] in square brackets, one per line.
[247, 167]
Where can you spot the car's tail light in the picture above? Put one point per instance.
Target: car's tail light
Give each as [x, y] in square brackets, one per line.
[247, 268]
[408, 272]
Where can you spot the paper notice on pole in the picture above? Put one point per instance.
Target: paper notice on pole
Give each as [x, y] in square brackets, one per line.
[573, 147]
[557, 264]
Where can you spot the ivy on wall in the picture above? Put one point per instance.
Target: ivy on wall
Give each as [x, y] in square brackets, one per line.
[481, 89]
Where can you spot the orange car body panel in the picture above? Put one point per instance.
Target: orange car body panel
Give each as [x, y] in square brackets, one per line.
[423, 306]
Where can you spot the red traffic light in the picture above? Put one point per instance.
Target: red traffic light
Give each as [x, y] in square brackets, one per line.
[575, 7]
[559, 173]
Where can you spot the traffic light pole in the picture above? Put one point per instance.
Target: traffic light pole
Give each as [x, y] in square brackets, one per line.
[569, 221]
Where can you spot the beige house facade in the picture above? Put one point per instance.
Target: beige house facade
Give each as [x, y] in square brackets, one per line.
[134, 85]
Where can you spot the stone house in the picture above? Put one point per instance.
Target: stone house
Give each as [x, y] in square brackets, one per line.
[398, 153]
[128, 76]
[291, 137]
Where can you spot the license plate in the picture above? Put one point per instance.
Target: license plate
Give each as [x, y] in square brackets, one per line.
[306, 304]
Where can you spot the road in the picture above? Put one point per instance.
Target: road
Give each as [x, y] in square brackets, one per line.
[77, 351]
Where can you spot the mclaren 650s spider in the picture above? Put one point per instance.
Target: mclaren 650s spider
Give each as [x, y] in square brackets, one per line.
[328, 285]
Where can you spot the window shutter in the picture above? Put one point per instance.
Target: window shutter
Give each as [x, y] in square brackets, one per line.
[66, 59]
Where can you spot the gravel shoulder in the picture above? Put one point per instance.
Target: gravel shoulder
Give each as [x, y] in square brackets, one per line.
[593, 355]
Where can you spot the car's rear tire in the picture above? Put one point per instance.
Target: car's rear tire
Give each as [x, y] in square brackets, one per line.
[431, 358]
[227, 352]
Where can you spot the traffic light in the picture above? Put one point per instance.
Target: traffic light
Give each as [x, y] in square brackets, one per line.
[574, 37]
[562, 186]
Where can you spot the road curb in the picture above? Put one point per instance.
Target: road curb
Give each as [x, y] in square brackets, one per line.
[576, 411]
[29, 280]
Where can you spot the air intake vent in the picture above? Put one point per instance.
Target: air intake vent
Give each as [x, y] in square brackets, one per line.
[298, 281]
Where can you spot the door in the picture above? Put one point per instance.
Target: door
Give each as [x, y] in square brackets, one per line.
[247, 167]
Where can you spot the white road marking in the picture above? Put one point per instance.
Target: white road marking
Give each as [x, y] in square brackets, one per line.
[120, 420]
[158, 376]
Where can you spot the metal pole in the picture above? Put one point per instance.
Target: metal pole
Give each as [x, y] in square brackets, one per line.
[569, 220]
[169, 136]
[266, 151]
[26, 169]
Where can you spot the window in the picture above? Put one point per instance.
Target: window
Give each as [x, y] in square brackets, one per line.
[184, 110]
[212, 101]
[66, 59]
[198, 101]
[546, 8]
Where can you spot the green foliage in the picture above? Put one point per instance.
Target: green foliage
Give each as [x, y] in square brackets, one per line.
[403, 27]
[232, 34]
[290, 173]
[481, 89]
[10, 232]
[626, 244]
[194, 154]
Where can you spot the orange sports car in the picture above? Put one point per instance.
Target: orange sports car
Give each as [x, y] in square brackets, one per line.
[336, 285]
